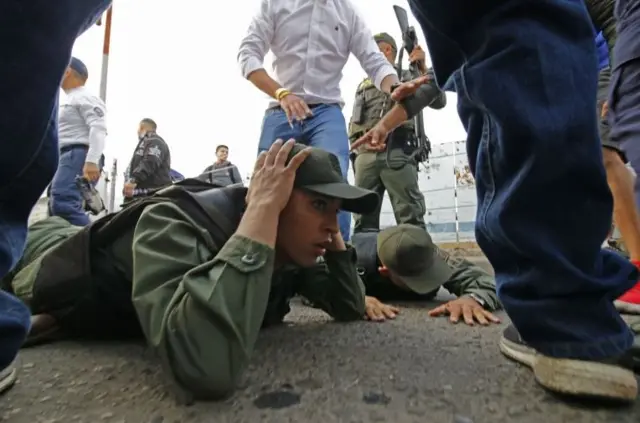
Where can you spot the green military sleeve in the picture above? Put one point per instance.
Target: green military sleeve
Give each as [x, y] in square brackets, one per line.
[200, 305]
[334, 286]
[468, 279]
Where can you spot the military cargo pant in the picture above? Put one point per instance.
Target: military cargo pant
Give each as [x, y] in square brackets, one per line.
[399, 177]
[525, 74]
[36, 38]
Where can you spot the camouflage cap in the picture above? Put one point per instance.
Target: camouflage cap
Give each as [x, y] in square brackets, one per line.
[383, 37]
[320, 173]
[410, 254]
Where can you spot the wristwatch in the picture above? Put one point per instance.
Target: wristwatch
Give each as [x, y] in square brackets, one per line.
[477, 298]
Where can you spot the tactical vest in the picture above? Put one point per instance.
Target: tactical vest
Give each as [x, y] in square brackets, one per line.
[66, 287]
[376, 104]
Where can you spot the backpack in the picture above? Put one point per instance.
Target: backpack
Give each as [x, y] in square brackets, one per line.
[66, 280]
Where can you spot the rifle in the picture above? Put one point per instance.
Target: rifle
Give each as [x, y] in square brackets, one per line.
[410, 41]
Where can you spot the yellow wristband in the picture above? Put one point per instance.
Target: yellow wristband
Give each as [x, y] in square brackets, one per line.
[282, 93]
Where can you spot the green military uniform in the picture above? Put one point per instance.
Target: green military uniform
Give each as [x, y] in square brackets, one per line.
[200, 292]
[395, 171]
[409, 253]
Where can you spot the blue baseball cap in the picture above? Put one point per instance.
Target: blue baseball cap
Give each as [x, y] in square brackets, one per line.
[80, 68]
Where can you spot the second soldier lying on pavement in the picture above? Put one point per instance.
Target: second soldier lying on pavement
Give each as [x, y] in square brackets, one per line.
[401, 263]
[205, 269]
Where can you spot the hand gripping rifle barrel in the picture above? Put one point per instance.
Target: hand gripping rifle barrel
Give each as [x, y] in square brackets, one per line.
[409, 43]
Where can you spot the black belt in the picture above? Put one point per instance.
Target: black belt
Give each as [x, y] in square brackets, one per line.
[311, 106]
[72, 146]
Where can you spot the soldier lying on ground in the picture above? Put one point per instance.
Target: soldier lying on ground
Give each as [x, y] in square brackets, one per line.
[204, 270]
[402, 263]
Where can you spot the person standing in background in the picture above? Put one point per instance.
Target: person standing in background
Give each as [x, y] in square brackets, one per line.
[222, 172]
[150, 166]
[394, 169]
[311, 42]
[82, 131]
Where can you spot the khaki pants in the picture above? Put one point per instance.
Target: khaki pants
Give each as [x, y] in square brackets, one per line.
[399, 177]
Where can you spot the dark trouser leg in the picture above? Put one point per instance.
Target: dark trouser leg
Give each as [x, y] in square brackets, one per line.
[31, 34]
[525, 95]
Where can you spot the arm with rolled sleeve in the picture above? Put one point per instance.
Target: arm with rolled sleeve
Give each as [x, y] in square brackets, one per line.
[93, 111]
[200, 305]
[256, 44]
[365, 49]
[335, 287]
[155, 152]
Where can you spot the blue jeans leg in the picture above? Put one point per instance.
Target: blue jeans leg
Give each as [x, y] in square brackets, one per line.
[66, 199]
[32, 33]
[525, 74]
[274, 126]
[327, 130]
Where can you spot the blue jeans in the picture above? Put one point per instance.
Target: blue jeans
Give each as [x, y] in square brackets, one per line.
[36, 38]
[525, 72]
[326, 129]
[66, 199]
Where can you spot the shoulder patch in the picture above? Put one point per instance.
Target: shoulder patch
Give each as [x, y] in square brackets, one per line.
[98, 111]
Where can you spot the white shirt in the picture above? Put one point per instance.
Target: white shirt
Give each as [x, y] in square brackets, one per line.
[311, 41]
[81, 120]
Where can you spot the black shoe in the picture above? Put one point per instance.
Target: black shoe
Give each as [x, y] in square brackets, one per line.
[611, 379]
[7, 379]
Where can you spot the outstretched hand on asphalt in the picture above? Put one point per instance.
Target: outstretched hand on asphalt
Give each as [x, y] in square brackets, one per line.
[466, 307]
[377, 311]
[272, 180]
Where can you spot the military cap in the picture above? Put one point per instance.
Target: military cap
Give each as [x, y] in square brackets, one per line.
[410, 254]
[320, 173]
[383, 37]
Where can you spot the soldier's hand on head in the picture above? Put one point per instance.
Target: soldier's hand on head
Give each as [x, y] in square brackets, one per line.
[272, 180]
[377, 311]
[408, 88]
[295, 108]
[466, 307]
[91, 172]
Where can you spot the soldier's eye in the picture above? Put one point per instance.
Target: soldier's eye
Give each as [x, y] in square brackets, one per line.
[320, 205]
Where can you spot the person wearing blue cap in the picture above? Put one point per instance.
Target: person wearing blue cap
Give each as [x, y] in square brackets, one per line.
[82, 130]
[37, 39]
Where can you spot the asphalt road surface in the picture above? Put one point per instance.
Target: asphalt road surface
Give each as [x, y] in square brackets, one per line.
[413, 369]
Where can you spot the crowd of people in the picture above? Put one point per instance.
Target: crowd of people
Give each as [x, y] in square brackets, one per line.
[198, 266]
